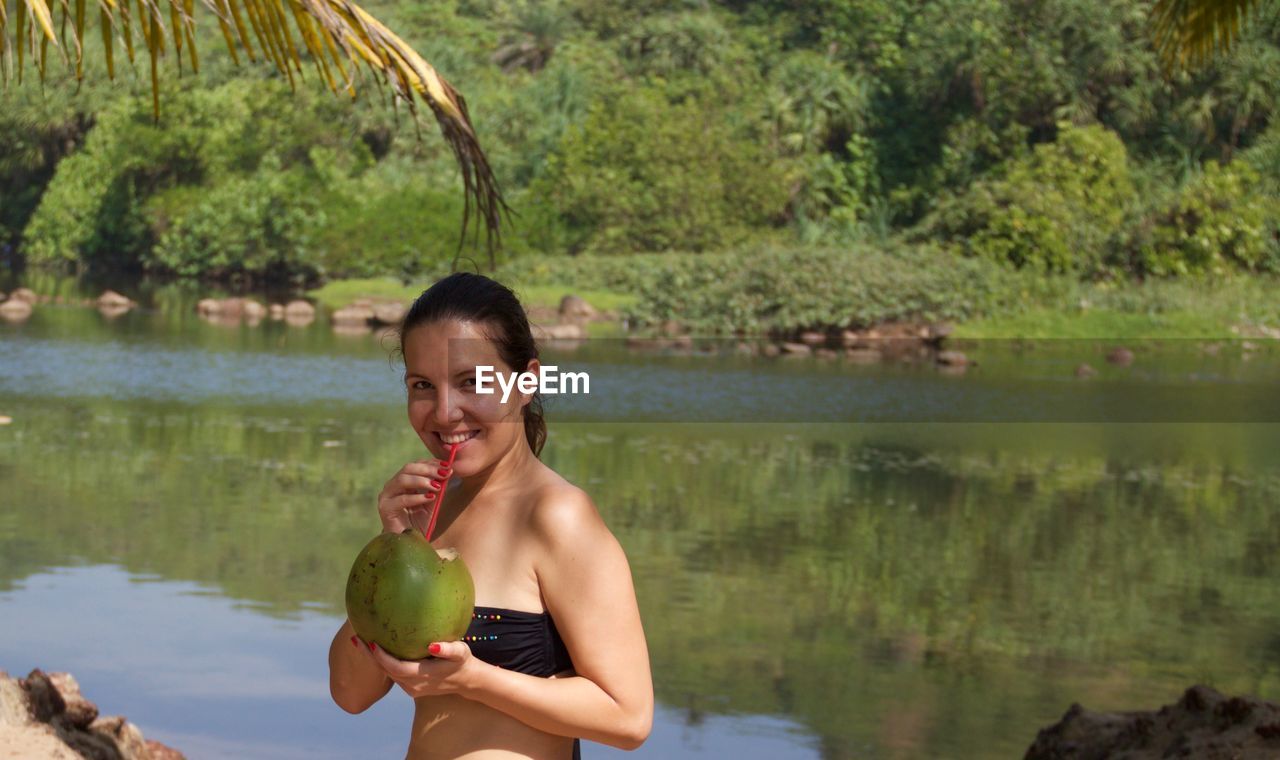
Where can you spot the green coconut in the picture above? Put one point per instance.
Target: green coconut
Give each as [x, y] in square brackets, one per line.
[403, 594]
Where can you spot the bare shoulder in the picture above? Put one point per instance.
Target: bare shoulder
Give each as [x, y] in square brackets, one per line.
[560, 510]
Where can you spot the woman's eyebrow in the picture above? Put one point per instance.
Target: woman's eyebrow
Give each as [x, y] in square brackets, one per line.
[459, 373]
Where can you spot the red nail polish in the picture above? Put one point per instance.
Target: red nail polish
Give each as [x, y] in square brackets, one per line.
[431, 497]
[443, 472]
[434, 649]
[373, 647]
[353, 642]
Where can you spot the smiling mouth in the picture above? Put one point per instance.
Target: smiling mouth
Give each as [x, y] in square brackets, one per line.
[452, 438]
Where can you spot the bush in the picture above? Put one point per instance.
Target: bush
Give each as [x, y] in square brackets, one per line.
[1223, 219]
[757, 291]
[641, 174]
[227, 183]
[257, 226]
[1052, 210]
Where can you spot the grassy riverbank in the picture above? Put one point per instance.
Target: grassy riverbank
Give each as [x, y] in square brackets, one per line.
[778, 291]
[1216, 308]
[340, 293]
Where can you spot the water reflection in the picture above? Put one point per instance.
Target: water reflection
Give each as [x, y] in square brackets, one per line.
[843, 591]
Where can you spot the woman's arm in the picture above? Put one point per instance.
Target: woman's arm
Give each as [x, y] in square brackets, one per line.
[586, 582]
[355, 681]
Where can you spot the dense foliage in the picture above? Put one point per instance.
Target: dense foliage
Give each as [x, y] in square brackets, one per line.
[1042, 136]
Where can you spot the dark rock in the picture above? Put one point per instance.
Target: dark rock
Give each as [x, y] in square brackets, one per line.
[113, 300]
[1203, 724]
[208, 306]
[1122, 357]
[15, 310]
[952, 359]
[772, 349]
[389, 312]
[231, 310]
[123, 734]
[299, 313]
[43, 698]
[648, 344]
[299, 309]
[796, 349]
[1084, 370]
[939, 331]
[77, 710]
[575, 308]
[353, 315]
[559, 332]
[864, 355]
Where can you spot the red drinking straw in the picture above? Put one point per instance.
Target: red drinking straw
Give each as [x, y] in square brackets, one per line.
[431, 526]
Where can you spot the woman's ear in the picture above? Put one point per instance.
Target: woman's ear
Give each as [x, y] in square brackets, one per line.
[532, 368]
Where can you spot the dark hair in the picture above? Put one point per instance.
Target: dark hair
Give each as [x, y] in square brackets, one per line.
[476, 298]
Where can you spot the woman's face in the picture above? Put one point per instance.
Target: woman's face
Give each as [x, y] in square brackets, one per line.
[440, 376]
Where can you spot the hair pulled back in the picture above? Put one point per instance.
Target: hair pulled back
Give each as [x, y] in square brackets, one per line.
[475, 298]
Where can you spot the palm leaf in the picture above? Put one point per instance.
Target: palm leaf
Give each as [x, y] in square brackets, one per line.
[333, 33]
[1187, 32]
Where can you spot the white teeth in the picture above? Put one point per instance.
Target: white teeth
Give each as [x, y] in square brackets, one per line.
[459, 438]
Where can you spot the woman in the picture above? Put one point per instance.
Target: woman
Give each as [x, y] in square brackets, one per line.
[555, 649]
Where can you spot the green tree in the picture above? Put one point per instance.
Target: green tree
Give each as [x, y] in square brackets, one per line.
[1054, 209]
[336, 35]
[642, 174]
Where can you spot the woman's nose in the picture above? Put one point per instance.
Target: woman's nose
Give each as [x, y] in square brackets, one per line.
[446, 411]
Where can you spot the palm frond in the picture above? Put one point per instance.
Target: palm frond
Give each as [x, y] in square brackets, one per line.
[332, 33]
[1187, 32]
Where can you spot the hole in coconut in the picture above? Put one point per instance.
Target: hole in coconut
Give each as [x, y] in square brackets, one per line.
[447, 555]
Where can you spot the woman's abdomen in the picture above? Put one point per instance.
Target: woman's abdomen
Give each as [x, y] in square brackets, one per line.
[452, 727]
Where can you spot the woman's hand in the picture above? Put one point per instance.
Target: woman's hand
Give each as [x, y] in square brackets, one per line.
[449, 670]
[411, 491]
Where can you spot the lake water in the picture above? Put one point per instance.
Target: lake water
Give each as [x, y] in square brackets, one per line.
[832, 560]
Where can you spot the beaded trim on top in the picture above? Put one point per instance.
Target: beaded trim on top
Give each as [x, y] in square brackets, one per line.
[478, 616]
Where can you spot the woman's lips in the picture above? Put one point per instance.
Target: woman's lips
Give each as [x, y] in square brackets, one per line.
[471, 435]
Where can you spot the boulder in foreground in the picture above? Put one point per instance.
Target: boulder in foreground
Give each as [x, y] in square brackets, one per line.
[1204, 725]
[45, 717]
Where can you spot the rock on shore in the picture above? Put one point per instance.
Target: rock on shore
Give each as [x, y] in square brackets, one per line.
[1204, 725]
[45, 717]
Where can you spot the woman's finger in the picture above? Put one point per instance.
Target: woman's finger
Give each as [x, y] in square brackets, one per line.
[399, 504]
[393, 667]
[426, 467]
[407, 482]
[449, 650]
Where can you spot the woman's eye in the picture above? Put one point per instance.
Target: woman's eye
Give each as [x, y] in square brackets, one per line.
[470, 380]
[421, 385]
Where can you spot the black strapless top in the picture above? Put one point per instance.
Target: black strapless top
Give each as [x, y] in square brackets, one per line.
[524, 642]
